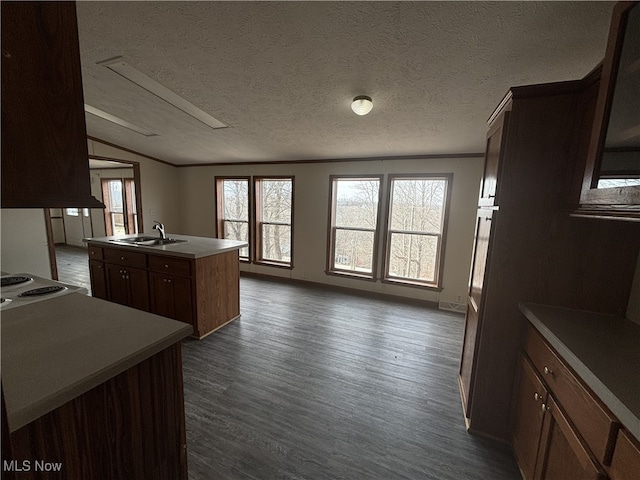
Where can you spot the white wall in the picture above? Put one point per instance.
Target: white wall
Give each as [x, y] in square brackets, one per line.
[311, 206]
[24, 242]
[160, 199]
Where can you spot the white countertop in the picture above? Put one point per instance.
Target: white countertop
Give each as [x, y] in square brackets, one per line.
[604, 350]
[194, 247]
[57, 349]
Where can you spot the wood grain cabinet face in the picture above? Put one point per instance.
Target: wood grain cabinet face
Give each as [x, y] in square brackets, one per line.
[98, 279]
[127, 286]
[530, 397]
[171, 297]
[45, 161]
[626, 458]
[489, 189]
[562, 453]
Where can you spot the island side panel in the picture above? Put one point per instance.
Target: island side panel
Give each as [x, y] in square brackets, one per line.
[131, 426]
[217, 291]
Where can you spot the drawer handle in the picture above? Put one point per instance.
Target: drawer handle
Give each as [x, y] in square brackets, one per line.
[545, 407]
[548, 371]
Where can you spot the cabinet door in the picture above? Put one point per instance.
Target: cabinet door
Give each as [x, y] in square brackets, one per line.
[138, 288]
[171, 297]
[117, 284]
[489, 189]
[484, 225]
[529, 396]
[562, 453]
[626, 458]
[98, 279]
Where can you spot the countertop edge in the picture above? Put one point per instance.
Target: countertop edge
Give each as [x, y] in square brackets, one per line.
[20, 418]
[630, 420]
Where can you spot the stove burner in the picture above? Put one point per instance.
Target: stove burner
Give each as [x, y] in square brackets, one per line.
[42, 291]
[14, 280]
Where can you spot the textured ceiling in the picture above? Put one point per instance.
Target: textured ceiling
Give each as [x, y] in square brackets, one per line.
[282, 74]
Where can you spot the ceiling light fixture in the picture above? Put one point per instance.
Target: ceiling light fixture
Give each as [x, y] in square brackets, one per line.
[117, 120]
[122, 68]
[362, 105]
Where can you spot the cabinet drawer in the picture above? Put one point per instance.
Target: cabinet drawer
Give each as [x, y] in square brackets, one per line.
[594, 421]
[625, 464]
[125, 257]
[174, 266]
[95, 253]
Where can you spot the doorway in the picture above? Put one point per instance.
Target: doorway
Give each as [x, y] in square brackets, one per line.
[114, 182]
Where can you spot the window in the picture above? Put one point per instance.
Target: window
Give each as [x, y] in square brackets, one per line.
[354, 225]
[274, 216]
[120, 214]
[418, 207]
[73, 212]
[232, 195]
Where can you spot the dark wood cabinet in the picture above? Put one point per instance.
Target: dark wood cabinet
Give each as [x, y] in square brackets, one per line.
[562, 453]
[529, 397]
[171, 296]
[611, 178]
[626, 458]
[127, 286]
[528, 247]
[203, 292]
[45, 160]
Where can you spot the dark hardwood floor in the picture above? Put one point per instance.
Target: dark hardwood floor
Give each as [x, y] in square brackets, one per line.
[73, 267]
[322, 384]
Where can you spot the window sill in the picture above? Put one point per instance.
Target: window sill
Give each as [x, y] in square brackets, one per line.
[273, 264]
[409, 283]
[356, 276]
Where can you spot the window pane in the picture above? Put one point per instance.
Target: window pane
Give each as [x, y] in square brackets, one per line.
[238, 231]
[356, 203]
[413, 256]
[418, 205]
[236, 199]
[276, 200]
[117, 223]
[276, 243]
[353, 251]
[72, 212]
[115, 196]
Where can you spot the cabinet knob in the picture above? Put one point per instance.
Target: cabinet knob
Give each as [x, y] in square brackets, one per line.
[548, 371]
[166, 266]
[536, 397]
[123, 258]
[545, 407]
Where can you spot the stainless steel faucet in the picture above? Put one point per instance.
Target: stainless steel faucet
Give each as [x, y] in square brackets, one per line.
[160, 227]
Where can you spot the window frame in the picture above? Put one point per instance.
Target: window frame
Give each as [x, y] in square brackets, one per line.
[331, 228]
[257, 221]
[442, 236]
[219, 209]
[130, 213]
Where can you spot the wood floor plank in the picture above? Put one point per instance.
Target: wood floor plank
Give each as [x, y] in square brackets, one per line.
[322, 384]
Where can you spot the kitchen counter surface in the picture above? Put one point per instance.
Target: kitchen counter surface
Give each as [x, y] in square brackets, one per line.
[604, 350]
[57, 349]
[194, 247]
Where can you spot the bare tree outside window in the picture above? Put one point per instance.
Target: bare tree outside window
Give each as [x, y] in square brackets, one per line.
[274, 217]
[416, 227]
[234, 210]
[354, 223]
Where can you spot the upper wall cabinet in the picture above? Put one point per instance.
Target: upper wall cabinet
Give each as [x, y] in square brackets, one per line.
[611, 183]
[45, 161]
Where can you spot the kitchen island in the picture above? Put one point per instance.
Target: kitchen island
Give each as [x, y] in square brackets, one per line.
[195, 280]
[92, 390]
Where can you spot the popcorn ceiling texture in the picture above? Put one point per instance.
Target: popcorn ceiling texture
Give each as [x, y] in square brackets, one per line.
[283, 74]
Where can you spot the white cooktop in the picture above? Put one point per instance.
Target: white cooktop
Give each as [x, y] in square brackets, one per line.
[14, 296]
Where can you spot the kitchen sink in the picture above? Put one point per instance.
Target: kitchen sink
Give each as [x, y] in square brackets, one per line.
[147, 241]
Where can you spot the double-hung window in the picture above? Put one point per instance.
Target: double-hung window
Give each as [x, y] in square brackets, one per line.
[418, 207]
[233, 199]
[353, 233]
[274, 220]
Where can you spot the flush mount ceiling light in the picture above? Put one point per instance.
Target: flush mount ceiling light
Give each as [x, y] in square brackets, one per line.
[121, 67]
[361, 105]
[118, 121]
